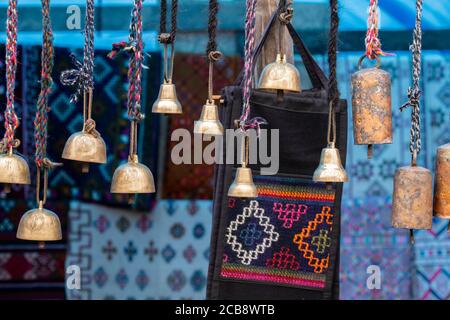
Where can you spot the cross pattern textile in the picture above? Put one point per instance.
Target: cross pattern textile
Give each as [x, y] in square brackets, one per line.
[124, 254]
[367, 235]
[283, 237]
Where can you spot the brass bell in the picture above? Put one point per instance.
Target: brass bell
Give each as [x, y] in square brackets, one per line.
[39, 225]
[280, 76]
[167, 101]
[13, 170]
[209, 123]
[243, 185]
[132, 177]
[442, 183]
[371, 104]
[412, 206]
[330, 168]
[86, 146]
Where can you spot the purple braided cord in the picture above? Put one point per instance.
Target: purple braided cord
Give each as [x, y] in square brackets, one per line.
[11, 119]
[41, 119]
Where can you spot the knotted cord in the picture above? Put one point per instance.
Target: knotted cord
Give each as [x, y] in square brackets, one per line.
[41, 119]
[333, 92]
[212, 53]
[250, 19]
[11, 119]
[163, 22]
[414, 91]
[373, 43]
[83, 75]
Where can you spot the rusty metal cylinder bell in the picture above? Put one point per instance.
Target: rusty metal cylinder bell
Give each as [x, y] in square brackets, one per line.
[412, 206]
[371, 104]
[442, 183]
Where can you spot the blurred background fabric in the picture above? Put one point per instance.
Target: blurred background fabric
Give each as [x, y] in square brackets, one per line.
[159, 248]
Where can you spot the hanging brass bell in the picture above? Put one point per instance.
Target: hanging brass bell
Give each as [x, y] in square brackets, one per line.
[132, 177]
[39, 225]
[412, 206]
[371, 104]
[86, 146]
[13, 169]
[243, 186]
[209, 123]
[330, 168]
[167, 101]
[442, 183]
[280, 76]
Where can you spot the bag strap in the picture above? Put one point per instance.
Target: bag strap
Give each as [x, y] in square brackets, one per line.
[315, 73]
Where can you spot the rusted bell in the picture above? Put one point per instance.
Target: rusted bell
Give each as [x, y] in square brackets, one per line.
[167, 101]
[330, 168]
[13, 169]
[209, 123]
[372, 111]
[442, 183]
[412, 206]
[86, 146]
[243, 186]
[132, 177]
[39, 225]
[280, 76]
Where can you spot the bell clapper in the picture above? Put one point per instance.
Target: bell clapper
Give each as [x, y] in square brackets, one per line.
[41, 245]
[131, 198]
[411, 236]
[85, 167]
[7, 188]
[369, 151]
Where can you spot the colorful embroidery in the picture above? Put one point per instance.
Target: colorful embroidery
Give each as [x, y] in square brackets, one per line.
[282, 237]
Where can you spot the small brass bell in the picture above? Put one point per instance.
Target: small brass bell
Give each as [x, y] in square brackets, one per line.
[330, 168]
[167, 101]
[243, 185]
[412, 206]
[86, 146]
[442, 183]
[209, 123]
[280, 76]
[13, 170]
[132, 177]
[371, 102]
[39, 225]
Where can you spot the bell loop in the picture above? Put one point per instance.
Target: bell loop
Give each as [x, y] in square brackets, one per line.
[361, 60]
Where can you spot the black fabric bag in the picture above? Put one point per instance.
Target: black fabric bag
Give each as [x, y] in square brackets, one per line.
[285, 244]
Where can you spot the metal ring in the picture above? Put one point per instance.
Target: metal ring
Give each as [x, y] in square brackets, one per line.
[378, 65]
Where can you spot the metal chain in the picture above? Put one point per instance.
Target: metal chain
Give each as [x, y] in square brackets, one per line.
[414, 91]
[83, 76]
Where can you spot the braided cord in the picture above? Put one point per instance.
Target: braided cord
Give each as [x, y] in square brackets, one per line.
[11, 119]
[373, 43]
[248, 65]
[83, 76]
[212, 27]
[414, 91]
[41, 119]
[333, 92]
[136, 63]
[173, 21]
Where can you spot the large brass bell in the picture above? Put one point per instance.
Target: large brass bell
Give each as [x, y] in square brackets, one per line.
[330, 168]
[40, 224]
[412, 206]
[132, 177]
[13, 170]
[371, 102]
[167, 101]
[280, 76]
[209, 123]
[243, 185]
[86, 146]
[442, 183]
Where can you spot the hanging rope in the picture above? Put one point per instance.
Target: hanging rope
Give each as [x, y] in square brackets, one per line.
[40, 121]
[414, 91]
[250, 20]
[373, 43]
[212, 54]
[11, 119]
[165, 37]
[83, 75]
[333, 92]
